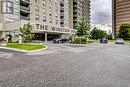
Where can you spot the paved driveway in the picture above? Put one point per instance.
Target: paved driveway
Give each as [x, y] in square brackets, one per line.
[97, 65]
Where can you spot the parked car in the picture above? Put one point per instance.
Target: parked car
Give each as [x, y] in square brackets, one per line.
[61, 40]
[119, 41]
[103, 40]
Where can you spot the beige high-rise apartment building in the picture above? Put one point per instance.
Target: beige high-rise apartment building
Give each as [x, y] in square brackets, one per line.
[81, 10]
[120, 14]
[52, 18]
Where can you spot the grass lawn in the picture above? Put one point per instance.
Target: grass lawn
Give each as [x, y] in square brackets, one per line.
[126, 41]
[28, 47]
[96, 41]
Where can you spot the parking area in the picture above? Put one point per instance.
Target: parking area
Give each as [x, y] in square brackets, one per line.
[94, 65]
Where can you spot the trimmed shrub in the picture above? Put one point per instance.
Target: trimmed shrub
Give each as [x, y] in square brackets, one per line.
[15, 41]
[81, 40]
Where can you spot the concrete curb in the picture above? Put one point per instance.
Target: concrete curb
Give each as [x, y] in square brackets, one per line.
[77, 45]
[25, 51]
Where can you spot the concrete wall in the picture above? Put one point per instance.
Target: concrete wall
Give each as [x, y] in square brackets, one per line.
[71, 14]
[55, 6]
[1, 26]
[12, 26]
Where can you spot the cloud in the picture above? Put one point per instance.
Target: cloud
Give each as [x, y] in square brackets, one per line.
[101, 12]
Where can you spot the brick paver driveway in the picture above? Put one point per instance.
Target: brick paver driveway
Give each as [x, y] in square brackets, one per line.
[100, 65]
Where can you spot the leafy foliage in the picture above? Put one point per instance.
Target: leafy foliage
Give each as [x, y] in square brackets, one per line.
[26, 33]
[98, 33]
[124, 31]
[83, 29]
[109, 37]
[81, 40]
[0, 36]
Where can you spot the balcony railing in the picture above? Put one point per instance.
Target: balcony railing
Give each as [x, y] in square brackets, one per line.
[62, 3]
[62, 14]
[25, 8]
[25, 17]
[62, 9]
[27, 1]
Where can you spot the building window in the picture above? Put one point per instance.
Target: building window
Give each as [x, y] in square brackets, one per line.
[44, 19]
[37, 8]
[36, 1]
[56, 1]
[50, 13]
[7, 7]
[56, 15]
[56, 9]
[44, 11]
[56, 21]
[44, 3]
[37, 17]
[51, 20]
[50, 6]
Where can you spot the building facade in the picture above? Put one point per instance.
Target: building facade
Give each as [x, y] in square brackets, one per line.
[81, 11]
[48, 17]
[120, 14]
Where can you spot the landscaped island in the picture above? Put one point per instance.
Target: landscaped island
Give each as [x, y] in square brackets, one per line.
[28, 47]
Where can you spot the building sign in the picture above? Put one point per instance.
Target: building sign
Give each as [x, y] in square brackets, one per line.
[7, 7]
[55, 29]
[41, 27]
[47, 28]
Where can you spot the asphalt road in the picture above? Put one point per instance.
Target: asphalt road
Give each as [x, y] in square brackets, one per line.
[96, 65]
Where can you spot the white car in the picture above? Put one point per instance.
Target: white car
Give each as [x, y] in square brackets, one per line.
[119, 41]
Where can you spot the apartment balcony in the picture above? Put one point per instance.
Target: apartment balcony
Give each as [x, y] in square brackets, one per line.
[25, 17]
[75, 20]
[75, 15]
[62, 24]
[75, 24]
[25, 9]
[75, 10]
[62, 9]
[62, 20]
[75, 6]
[25, 2]
[62, 15]
[75, 2]
[75, 27]
[62, 2]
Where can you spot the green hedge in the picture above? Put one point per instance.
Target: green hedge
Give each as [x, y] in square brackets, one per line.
[15, 41]
[80, 40]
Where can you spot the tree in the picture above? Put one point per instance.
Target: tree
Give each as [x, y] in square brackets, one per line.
[0, 36]
[109, 37]
[98, 33]
[83, 29]
[124, 31]
[26, 33]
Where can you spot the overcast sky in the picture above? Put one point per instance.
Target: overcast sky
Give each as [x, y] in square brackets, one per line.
[101, 13]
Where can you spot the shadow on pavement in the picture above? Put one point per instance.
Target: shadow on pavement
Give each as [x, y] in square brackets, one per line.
[10, 51]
